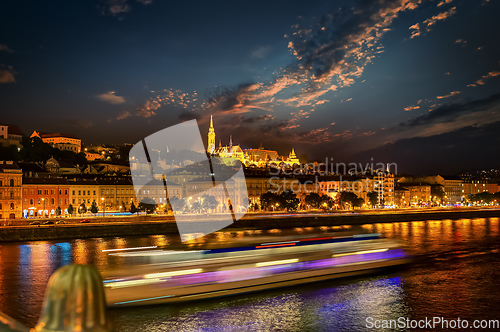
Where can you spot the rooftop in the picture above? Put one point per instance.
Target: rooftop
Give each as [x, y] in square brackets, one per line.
[47, 135]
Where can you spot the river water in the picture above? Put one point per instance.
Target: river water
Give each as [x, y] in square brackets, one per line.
[455, 274]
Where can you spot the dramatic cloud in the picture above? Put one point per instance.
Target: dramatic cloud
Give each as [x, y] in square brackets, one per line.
[447, 153]
[421, 28]
[187, 115]
[439, 17]
[123, 115]
[5, 48]
[330, 52]
[443, 2]
[256, 119]
[176, 98]
[411, 108]
[451, 94]
[111, 98]
[7, 75]
[449, 113]
[336, 48]
[241, 99]
[485, 77]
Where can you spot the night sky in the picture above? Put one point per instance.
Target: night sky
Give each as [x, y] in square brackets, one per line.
[416, 82]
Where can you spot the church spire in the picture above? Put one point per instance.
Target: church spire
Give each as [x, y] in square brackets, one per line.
[211, 137]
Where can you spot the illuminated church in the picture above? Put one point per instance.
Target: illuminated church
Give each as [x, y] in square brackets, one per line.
[250, 157]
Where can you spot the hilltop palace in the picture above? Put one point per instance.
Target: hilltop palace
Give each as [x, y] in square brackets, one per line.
[249, 157]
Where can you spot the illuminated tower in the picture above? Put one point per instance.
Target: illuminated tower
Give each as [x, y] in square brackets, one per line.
[211, 137]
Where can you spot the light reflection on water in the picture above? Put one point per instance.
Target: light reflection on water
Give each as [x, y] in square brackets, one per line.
[454, 275]
[340, 308]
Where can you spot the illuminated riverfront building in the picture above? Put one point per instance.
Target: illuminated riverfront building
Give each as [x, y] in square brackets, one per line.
[419, 193]
[60, 141]
[42, 196]
[478, 186]
[382, 183]
[250, 157]
[10, 190]
[211, 137]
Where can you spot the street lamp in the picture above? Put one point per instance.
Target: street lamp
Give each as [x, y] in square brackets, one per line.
[43, 213]
[104, 207]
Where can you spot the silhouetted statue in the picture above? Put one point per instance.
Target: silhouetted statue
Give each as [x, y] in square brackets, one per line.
[74, 301]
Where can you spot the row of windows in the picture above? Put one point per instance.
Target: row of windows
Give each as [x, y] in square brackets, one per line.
[10, 182]
[160, 191]
[11, 206]
[82, 192]
[111, 201]
[52, 201]
[11, 195]
[46, 191]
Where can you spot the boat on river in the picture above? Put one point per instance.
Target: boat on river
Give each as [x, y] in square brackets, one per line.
[187, 272]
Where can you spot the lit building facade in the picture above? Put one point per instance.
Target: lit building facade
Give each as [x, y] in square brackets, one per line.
[116, 194]
[250, 157]
[60, 141]
[420, 193]
[382, 184]
[10, 190]
[42, 196]
[452, 186]
[402, 197]
[477, 186]
[83, 191]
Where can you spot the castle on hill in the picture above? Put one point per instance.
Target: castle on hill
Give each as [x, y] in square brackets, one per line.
[249, 157]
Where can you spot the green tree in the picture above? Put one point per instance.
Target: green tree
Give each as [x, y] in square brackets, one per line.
[58, 211]
[437, 194]
[133, 208]
[196, 207]
[314, 200]
[10, 153]
[147, 205]
[255, 206]
[82, 209]
[177, 204]
[484, 197]
[289, 200]
[71, 209]
[94, 208]
[349, 198]
[267, 200]
[327, 202]
[167, 207]
[373, 198]
[209, 202]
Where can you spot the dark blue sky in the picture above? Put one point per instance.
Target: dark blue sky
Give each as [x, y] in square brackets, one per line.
[341, 79]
